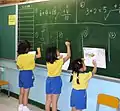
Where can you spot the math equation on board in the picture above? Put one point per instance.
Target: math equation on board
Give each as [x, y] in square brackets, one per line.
[75, 12]
[102, 13]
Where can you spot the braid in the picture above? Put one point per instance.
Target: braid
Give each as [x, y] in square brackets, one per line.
[76, 65]
[71, 77]
[78, 78]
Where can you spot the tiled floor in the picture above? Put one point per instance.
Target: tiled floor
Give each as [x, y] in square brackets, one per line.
[10, 104]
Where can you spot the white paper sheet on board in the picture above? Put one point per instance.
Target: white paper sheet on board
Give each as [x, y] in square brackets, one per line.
[97, 54]
[67, 63]
[32, 52]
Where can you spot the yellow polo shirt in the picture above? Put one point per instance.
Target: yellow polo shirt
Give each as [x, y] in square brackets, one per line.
[55, 68]
[26, 61]
[83, 80]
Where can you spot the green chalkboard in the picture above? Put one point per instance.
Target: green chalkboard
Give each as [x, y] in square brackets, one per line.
[93, 23]
[7, 33]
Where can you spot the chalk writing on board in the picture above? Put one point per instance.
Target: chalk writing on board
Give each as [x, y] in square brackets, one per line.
[54, 38]
[26, 6]
[36, 35]
[83, 35]
[65, 13]
[82, 3]
[111, 35]
[60, 35]
[107, 11]
[36, 10]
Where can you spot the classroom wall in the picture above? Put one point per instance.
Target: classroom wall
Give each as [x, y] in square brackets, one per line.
[37, 93]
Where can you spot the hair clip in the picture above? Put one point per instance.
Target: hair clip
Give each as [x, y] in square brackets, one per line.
[79, 62]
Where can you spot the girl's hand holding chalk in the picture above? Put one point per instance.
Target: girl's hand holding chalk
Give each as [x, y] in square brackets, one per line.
[38, 49]
[67, 43]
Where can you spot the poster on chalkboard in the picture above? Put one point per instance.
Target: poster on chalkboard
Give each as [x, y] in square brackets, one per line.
[97, 54]
[12, 20]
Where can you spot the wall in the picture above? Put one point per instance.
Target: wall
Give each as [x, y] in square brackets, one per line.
[37, 93]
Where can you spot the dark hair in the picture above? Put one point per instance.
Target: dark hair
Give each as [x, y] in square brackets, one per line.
[23, 47]
[76, 66]
[51, 54]
[28, 44]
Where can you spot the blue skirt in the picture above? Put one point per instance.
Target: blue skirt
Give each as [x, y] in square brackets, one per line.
[26, 79]
[53, 85]
[78, 99]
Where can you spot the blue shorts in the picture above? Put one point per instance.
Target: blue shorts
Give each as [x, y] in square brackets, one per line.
[26, 79]
[53, 85]
[78, 99]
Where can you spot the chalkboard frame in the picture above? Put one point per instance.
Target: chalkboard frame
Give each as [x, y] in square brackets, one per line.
[41, 64]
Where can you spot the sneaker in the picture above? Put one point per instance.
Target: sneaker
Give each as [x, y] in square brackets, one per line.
[20, 108]
[25, 108]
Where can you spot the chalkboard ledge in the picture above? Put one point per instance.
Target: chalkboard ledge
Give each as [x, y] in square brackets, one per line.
[110, 79]
[66, 72]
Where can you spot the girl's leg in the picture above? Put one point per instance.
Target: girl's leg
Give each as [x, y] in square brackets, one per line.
[21, 95]
[48, 102]
[20, 108]
[25, 97]
[73, 109]
[54, 101]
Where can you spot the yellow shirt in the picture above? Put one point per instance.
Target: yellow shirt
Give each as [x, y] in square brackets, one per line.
[83, 80]
[26, 61]
[55, 68]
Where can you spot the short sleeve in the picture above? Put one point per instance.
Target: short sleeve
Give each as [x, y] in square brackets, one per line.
[61, 61]
[33, 53]
[18, 61]
[88, 76]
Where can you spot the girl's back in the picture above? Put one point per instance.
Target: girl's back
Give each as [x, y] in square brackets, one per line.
[83, 80]
[55, 68]
[26, 61]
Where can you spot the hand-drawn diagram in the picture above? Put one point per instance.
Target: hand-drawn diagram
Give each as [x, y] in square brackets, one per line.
[96, 54]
